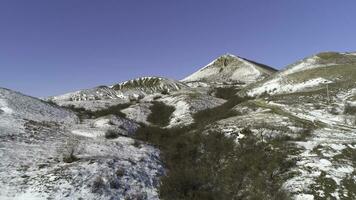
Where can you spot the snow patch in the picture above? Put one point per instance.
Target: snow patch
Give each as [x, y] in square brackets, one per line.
[4, 107]
[276, 86]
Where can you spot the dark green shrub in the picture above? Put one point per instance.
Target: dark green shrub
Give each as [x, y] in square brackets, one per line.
[98, 185]
[157, 97]
[223, 111]
[350, 109]
[82, 113]
[120, 172]
[160, 114]
[165, 92]
[111, 134]
[225, 92]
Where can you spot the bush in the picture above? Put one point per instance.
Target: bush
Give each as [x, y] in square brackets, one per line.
[349, 109]
[98, 185]
[225, 92]
[82, 113]
[157, 97]
[112, 134]
[165, 92]
[160, 114]
[120, 172]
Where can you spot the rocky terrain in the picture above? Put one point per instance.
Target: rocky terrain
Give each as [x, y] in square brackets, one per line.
[235, 129]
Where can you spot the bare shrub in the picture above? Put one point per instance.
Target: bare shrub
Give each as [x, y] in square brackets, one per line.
[69, 150]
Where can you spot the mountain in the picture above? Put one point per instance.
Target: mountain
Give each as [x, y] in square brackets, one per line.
[230, 69]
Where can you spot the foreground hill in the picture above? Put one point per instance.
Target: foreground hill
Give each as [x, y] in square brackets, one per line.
[230, 69]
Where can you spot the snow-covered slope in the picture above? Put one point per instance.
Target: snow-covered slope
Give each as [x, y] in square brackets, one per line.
[16, 105]
[311, 73]
[97, 93]
[231, 69]
[185, 102]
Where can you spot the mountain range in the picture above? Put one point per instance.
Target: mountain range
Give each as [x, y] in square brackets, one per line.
[235, 129]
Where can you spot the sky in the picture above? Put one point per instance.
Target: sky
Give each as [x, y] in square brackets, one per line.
[53, 47]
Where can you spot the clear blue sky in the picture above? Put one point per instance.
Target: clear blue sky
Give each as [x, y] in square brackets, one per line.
[50, 47]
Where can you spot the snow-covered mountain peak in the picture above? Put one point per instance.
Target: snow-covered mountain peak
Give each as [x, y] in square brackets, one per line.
[230, 68]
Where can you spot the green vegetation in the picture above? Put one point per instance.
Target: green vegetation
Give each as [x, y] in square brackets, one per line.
[223, 111]
[325, 184]
[209, 165]
[275, 109]
[111, 134]
[330, 55]
[350, 109]
[165, 92]
[349, 184]
[347, 154]
[346, 75]
[160, 114]
[335, 57]
[87, 114]
[225, 92]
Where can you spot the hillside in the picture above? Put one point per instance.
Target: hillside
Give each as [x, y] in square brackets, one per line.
[312, 73]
